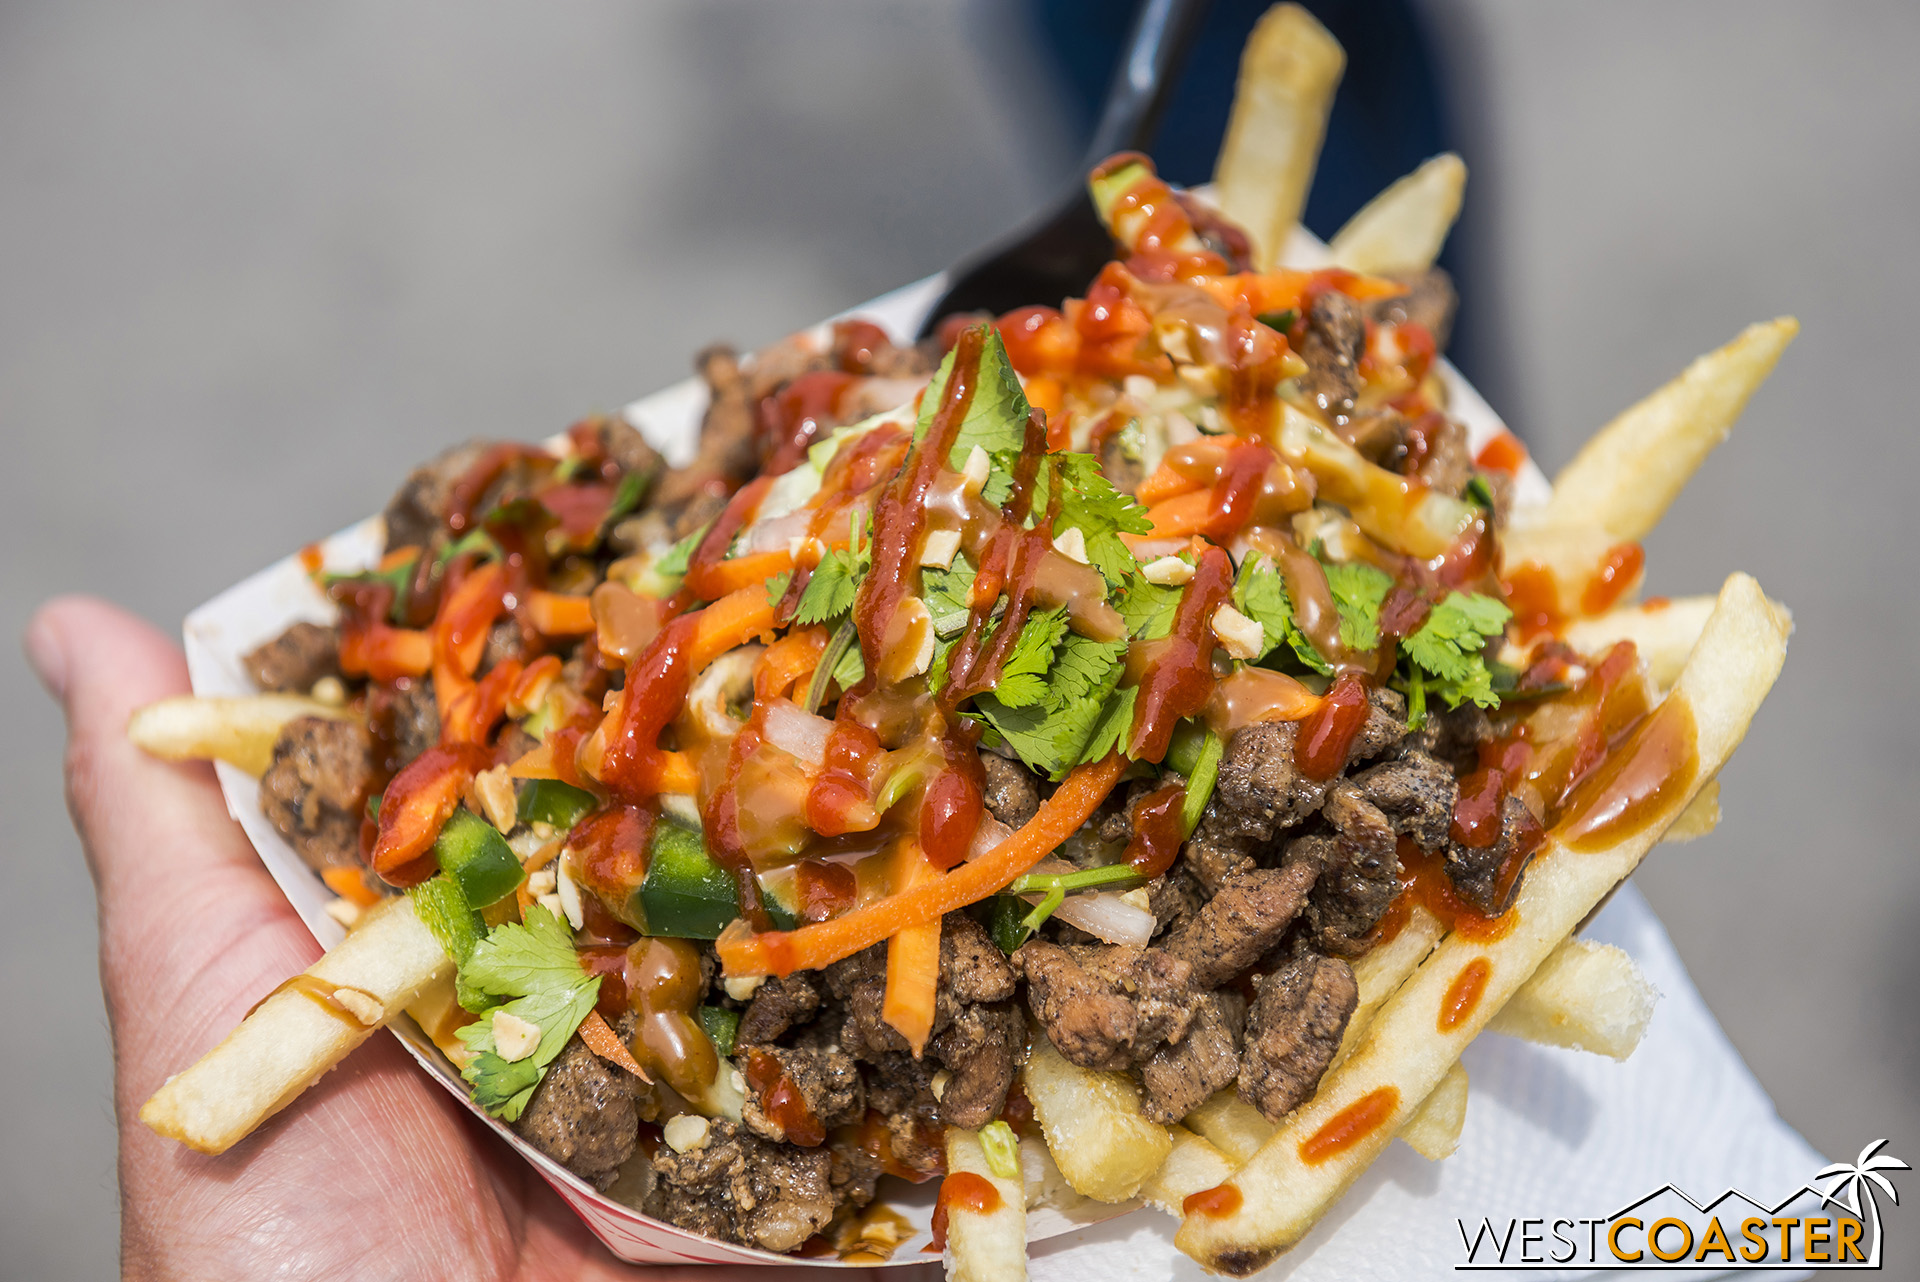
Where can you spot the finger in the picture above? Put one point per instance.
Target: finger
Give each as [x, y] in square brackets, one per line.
[192, 928]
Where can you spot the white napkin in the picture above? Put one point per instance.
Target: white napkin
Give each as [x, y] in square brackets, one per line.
[1550, 1133]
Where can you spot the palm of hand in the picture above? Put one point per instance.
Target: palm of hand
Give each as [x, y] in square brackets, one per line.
[375, 1172]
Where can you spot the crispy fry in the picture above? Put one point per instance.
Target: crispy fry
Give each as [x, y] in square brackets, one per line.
[1400, 231]
[1231, 1125]
[1288, 73]
[300, 1031]
[1586, 997]
[1434, 1129]
[240, 730]
[1329, 1141]
[1624, 478]
[984, 1246]
[1098, 1135]
[1663, 633]
[1381, 972]
[1701, 816]
[1192, 1165]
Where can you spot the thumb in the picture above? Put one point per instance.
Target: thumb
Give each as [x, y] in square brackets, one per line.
[192, 928]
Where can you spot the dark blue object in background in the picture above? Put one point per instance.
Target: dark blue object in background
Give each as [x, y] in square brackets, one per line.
[1388, 115]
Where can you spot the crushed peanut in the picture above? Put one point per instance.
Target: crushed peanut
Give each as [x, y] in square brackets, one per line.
[1167, 572]
[542, 883]
[345, 911]
[686, 1132]
[1072, 544]
[742, 987]
[364, 1007]
[569, 892]
[513, 1037]
[1239, 636]
[495, 789]
[975, 470]
[940, 548]
[330, 691]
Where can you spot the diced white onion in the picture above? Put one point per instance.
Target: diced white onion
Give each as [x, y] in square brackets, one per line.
[1104, 914]
[772, 534]
[800, 733]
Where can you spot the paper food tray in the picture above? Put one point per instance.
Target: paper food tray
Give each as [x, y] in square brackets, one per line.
[220, 632]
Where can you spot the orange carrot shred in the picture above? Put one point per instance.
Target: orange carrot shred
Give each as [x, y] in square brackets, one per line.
[604, 1042]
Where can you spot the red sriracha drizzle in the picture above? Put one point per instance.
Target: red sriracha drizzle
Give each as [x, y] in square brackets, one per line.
[1179, 669]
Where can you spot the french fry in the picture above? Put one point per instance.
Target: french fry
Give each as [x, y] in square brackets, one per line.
[1046, 1187]
[1382, 970]
[1701, 816]
[439, 1015]
[241, 730]
[1585, 997]
[300, 1031]
[1231, 1125]
[1664, 634]
[991, 1245]
[1288, 73]
[1625, 477]
[1418, 1035]
[1434, 1129]
[1192, 1165]
[1400, 231]
[1094, 1125]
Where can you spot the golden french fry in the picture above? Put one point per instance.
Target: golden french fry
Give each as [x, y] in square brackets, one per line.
[300, 1031]
[1663, 633]
[1701, 816]
[1434, 1129]
[240, 730]
[1625, 477]
[1094, 1125]
[1381, 971]
[1400, 231]
[1288, 73]
[1194, 1164]
[1418, 1035]
[439, 1015]
[991, 1244]
[1585, 997]
[1231, 1125]
[1046, 1187]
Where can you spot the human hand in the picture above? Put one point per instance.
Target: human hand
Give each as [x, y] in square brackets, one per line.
[375, 1171]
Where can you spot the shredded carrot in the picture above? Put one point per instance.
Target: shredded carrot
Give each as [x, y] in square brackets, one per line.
[384, 652]
[531, 687]
[782, 952]
[1165, 483]
[734, 619]
[1181, 515]
[913, 959]
[1045, 393]
[472, 713]
[554, 615]
[604, 1042]
[787, 661]
[350, 884]
[674, 772]
[749, 571]
[460, 631]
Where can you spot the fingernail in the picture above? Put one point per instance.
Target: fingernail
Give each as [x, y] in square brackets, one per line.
[47, 655]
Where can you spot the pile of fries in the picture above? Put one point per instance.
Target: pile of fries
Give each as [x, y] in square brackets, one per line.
[1244, 1190]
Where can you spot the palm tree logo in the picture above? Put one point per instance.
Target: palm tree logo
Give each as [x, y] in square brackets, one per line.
[1855, 1181]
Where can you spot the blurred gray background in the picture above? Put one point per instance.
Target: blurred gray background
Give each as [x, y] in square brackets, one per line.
[254, 260]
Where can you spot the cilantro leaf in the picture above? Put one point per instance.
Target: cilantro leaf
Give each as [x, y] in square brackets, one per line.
[1023, 676]
[1450, 647]
[851, 670]
[829, 592]
[1109, 730]
[1358, 589]
[504, 1088]
[1089, 503]
[777, 587]
[1054, 736]
[1148, 609]
[533, 965]
[996, 416]
[1261, 594]
[673, 565]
